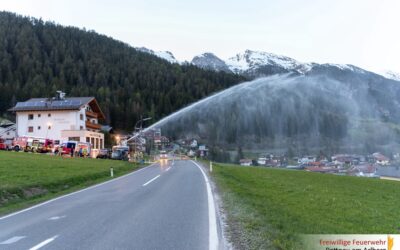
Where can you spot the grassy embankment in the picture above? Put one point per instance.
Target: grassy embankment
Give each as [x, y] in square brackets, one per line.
[26, 179]
[268, 208]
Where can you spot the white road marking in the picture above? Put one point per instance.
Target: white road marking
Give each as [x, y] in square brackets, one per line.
[212, 217]
[151, 180]
[43, 243]
[168, 169]
[12, 240]
[76, 192]
[57, 217]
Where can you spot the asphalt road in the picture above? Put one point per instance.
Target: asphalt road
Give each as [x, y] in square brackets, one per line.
[163, 206]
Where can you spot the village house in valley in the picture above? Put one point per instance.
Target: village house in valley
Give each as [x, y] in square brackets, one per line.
[61, 119]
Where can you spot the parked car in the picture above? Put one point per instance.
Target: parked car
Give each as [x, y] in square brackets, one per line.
[104, 153]
[120, 153]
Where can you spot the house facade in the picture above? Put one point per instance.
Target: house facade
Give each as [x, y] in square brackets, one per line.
[61, 119]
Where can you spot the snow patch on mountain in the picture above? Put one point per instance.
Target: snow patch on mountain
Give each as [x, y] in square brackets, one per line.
[250, 59]
[391, 75]
[166, 55]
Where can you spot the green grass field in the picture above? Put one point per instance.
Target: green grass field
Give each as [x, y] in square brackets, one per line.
[268, 208]
[26, 178]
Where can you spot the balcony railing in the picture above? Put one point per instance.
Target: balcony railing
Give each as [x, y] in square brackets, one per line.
[92, 125]
[91, 114]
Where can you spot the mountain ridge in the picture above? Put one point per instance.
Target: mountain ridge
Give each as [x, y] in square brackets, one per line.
[255, 64]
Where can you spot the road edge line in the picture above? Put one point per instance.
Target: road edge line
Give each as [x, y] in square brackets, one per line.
[70, 194]
[212, 216]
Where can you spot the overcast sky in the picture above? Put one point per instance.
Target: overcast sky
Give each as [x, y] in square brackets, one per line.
[360, 32]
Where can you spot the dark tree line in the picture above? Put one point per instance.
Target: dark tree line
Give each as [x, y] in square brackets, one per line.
[37, 58]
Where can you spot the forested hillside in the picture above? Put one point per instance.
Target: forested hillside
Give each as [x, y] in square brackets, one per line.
[37, 58]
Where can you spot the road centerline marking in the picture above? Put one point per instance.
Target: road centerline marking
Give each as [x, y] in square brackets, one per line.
[43, 243]
[12, 240]
[57, 217]
[147, 183]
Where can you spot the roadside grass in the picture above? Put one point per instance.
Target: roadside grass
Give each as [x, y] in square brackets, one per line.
[26, 179]
[270, 208]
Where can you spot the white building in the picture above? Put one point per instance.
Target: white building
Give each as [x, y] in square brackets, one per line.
[7, 130]
[61, 119]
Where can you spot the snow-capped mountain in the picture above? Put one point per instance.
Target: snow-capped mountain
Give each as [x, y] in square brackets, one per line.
[254, 64]
[166, 55]
[210, 61]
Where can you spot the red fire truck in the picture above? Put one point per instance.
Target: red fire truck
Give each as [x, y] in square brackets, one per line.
[5, 144]
[32, 144]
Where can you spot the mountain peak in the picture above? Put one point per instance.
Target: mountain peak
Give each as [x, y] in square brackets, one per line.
[251, 61]
[210, 61]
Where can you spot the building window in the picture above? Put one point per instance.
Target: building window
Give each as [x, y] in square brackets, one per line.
[30, 117]
[74, 139]
[101, 143]
[48, 115]
[38, 127]
[57, 142]
[88, 139]
[92, 142]
[97, 143]
[81, 127]
[30, 129]
[39, 115]
[49, 127]
[81, 116]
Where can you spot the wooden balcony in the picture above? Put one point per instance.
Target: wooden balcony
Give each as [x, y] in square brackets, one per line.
[92, 125]
[91, 114]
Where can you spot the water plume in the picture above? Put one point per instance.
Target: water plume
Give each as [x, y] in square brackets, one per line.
[304, 114]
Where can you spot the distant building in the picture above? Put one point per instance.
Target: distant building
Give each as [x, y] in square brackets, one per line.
[262, 161]
[8, 130]
[381, 159]
[364, 170]
[61, 119]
